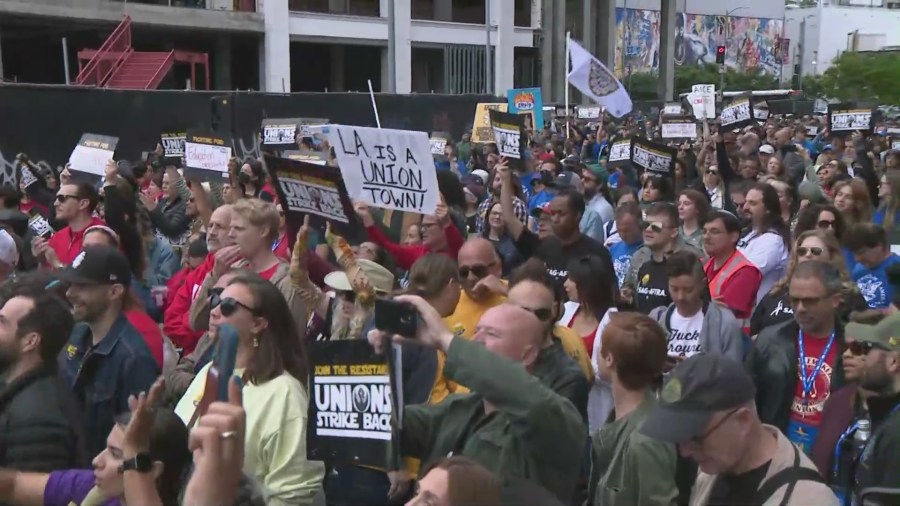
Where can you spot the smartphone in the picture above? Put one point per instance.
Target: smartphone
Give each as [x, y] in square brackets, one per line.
[396, 317]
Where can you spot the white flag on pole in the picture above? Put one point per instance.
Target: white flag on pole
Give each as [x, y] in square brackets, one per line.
[596, 81]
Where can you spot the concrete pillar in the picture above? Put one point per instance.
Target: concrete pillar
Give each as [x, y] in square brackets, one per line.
[559, 50]
[504, 53]
[222, 68]
[605, 33]
[336, 83]
[589, 38]
[547, 41]
[385, 71]
[275, 61]
[402, 46]
[443, 10]
[337, 6]
[666, 83]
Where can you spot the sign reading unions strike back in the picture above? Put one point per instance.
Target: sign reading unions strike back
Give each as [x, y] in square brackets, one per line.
[392, 169]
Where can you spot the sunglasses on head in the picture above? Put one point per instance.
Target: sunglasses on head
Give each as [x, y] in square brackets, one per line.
[228, 305]
[860, 348]
[479, 271]
[815, 250]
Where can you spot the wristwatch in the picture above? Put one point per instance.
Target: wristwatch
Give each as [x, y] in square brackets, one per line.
[141, 463]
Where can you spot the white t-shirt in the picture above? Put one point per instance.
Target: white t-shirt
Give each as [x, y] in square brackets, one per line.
[768, 254]
[684, 334]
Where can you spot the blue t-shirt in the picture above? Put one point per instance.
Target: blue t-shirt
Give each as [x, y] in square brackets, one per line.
[849, 259]
[879, 217]
[873, 283]
[539, 199]
[621, 257]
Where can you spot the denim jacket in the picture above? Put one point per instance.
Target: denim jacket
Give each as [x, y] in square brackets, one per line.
[103, 376]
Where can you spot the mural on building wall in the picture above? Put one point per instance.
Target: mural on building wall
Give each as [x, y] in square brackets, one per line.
[750, 42]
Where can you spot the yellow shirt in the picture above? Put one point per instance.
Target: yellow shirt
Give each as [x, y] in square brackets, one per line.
[574, 347]
[468, 312]
[275, 444]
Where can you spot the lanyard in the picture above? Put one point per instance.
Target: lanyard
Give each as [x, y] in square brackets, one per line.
[839, 447]
[808, 381]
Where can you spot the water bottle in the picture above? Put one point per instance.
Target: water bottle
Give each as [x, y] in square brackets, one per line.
[860, 439]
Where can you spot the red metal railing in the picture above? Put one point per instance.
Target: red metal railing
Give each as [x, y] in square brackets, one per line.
[160, 74]
[111, 54]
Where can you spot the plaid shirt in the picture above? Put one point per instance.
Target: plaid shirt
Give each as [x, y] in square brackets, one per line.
[519, 208]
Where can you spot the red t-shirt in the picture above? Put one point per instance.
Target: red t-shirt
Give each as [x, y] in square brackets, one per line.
[810, 412]
[739, 292]
[150, 330]
[587, 339]
[268, 273]
[67, 244]
[281, 249]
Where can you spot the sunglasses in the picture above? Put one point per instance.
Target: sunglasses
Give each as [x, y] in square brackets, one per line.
[63, 198]
[825, 224]
[860, 348]
[653, 225]
[543, 314]
[479, 271]
[815, 250]
[227, 306]
[713, 172]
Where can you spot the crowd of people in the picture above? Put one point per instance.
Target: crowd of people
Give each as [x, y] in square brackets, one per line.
[587, 332]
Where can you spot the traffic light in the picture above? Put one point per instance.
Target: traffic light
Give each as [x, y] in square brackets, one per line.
[720, 55]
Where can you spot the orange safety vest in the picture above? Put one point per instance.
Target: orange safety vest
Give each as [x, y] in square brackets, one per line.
[736, 262]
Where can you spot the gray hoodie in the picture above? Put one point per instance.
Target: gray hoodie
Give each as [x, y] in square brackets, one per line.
[721, 333]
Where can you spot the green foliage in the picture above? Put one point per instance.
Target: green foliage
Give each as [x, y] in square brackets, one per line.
[813, 87]
[643, 86]
[864, 77]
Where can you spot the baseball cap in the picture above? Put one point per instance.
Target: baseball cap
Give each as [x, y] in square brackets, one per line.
[482, 175]
[696, 389]
[546, 157]
[9, 253]
[98, 265]
[767, 149]
[885, 333]
[382, 279]
[543, 208]
[571, 161]
[828, 147]
[598, 171]
[568, 179]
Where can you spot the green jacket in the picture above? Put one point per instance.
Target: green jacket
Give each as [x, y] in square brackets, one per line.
[629, 468]
[533, 433]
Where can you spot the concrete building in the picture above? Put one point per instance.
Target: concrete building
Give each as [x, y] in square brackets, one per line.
[821, 33]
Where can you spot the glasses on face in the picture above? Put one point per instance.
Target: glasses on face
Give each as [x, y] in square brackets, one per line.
[713, 172]
[701, 438]
[228, 305]
[861, 348]
[815, 251]
[62, 198]
[806, 301]
[655, 226]
[479, 271]
[825, 224]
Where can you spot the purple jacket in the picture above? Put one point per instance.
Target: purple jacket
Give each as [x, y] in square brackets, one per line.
[71, 486]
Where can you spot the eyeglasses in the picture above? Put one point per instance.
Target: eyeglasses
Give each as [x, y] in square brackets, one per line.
[62, 198]
[479, 271]
[701, 438]
[826, 224]
[712, 172]
[655, 226]
[806, 301]
[228, 305]
[815, 250]
[543, 314]
[860, 348]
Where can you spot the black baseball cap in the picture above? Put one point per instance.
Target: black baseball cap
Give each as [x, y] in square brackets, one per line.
[98, 265]
[695, 390]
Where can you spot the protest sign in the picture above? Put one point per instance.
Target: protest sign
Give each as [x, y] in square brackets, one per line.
[737, 114]
[895, 145]
[844, 119]
[309, 189]
[678, 127]
[619, 153]
[438, 142]
[92, 153]
[173, 144]
[311, 128]
[673, 109]
[481, 126]
[279, 133]
[40, 226]
[305, 155]
[510, 137]
[587, 112]
[386, 168]
[206, 156]
[653, 157]
[530, 102]
[26, 175]
[351, 404]
[703, 100]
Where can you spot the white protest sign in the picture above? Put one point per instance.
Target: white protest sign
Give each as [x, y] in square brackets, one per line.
[678, 130]
[92, 153]
[706, 98]
[392, 169]
[588, 112]
[207, 154]
[895, 144]
[672, 110]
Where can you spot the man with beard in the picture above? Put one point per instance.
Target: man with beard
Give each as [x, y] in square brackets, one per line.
[38, 413]
[106, 359]
[176, 319]
[879, 345]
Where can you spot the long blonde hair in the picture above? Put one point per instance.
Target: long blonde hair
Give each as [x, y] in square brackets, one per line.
[891, 205]
[862, 202]
[834, 252]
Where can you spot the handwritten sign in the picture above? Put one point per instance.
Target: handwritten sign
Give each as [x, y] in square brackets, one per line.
[678, 127]
[206, 156]
[703, 100]
[653, 157]
[173, 144]
[387, 168]
[481, 126]
[92, 153]
[844, 119]
[509, 136]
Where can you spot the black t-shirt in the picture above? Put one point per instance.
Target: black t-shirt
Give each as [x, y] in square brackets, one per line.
[557, 256]
[738, 489]
[774, 308]
[652, 290]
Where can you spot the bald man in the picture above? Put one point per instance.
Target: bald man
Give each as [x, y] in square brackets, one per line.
[510, 422]
[480, 270]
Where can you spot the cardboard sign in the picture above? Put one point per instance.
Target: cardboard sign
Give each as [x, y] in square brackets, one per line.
[481, 126]
[528, 101]
[619, 153]
[173, 144]
[844, 119]
[206, 156]
[391, 169]
[92, 153]
[279, 133]
[678, 127]
[509, 136]
[653, 157]
[737, 114]
[588, 112]
[308, 189]
[351, 404]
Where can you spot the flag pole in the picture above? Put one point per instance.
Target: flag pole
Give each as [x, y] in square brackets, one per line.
[568, 35]
[374, 107]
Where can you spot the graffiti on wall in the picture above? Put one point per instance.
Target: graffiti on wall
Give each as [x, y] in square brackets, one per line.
[751, 43]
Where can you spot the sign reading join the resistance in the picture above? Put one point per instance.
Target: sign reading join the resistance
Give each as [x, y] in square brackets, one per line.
[387, 168]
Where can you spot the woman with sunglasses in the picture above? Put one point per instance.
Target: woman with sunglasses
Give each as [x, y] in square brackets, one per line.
[272, 364]
[828, 219]
[714, 186]
[775, 306]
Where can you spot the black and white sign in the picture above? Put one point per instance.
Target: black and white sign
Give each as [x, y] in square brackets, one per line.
[619, 153]
[509, 134]
[40, 226]
[737, 114]
[279, 133]
[206, 156]
[438, 142]
[844, 119]
[305, 155]
[305, 188]
[92, 153]
[588, 112]
[173, 144]
[392, 169]
[653, 157]
[678, 127]
[673, 109]
[351, 404]
[27, 175]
